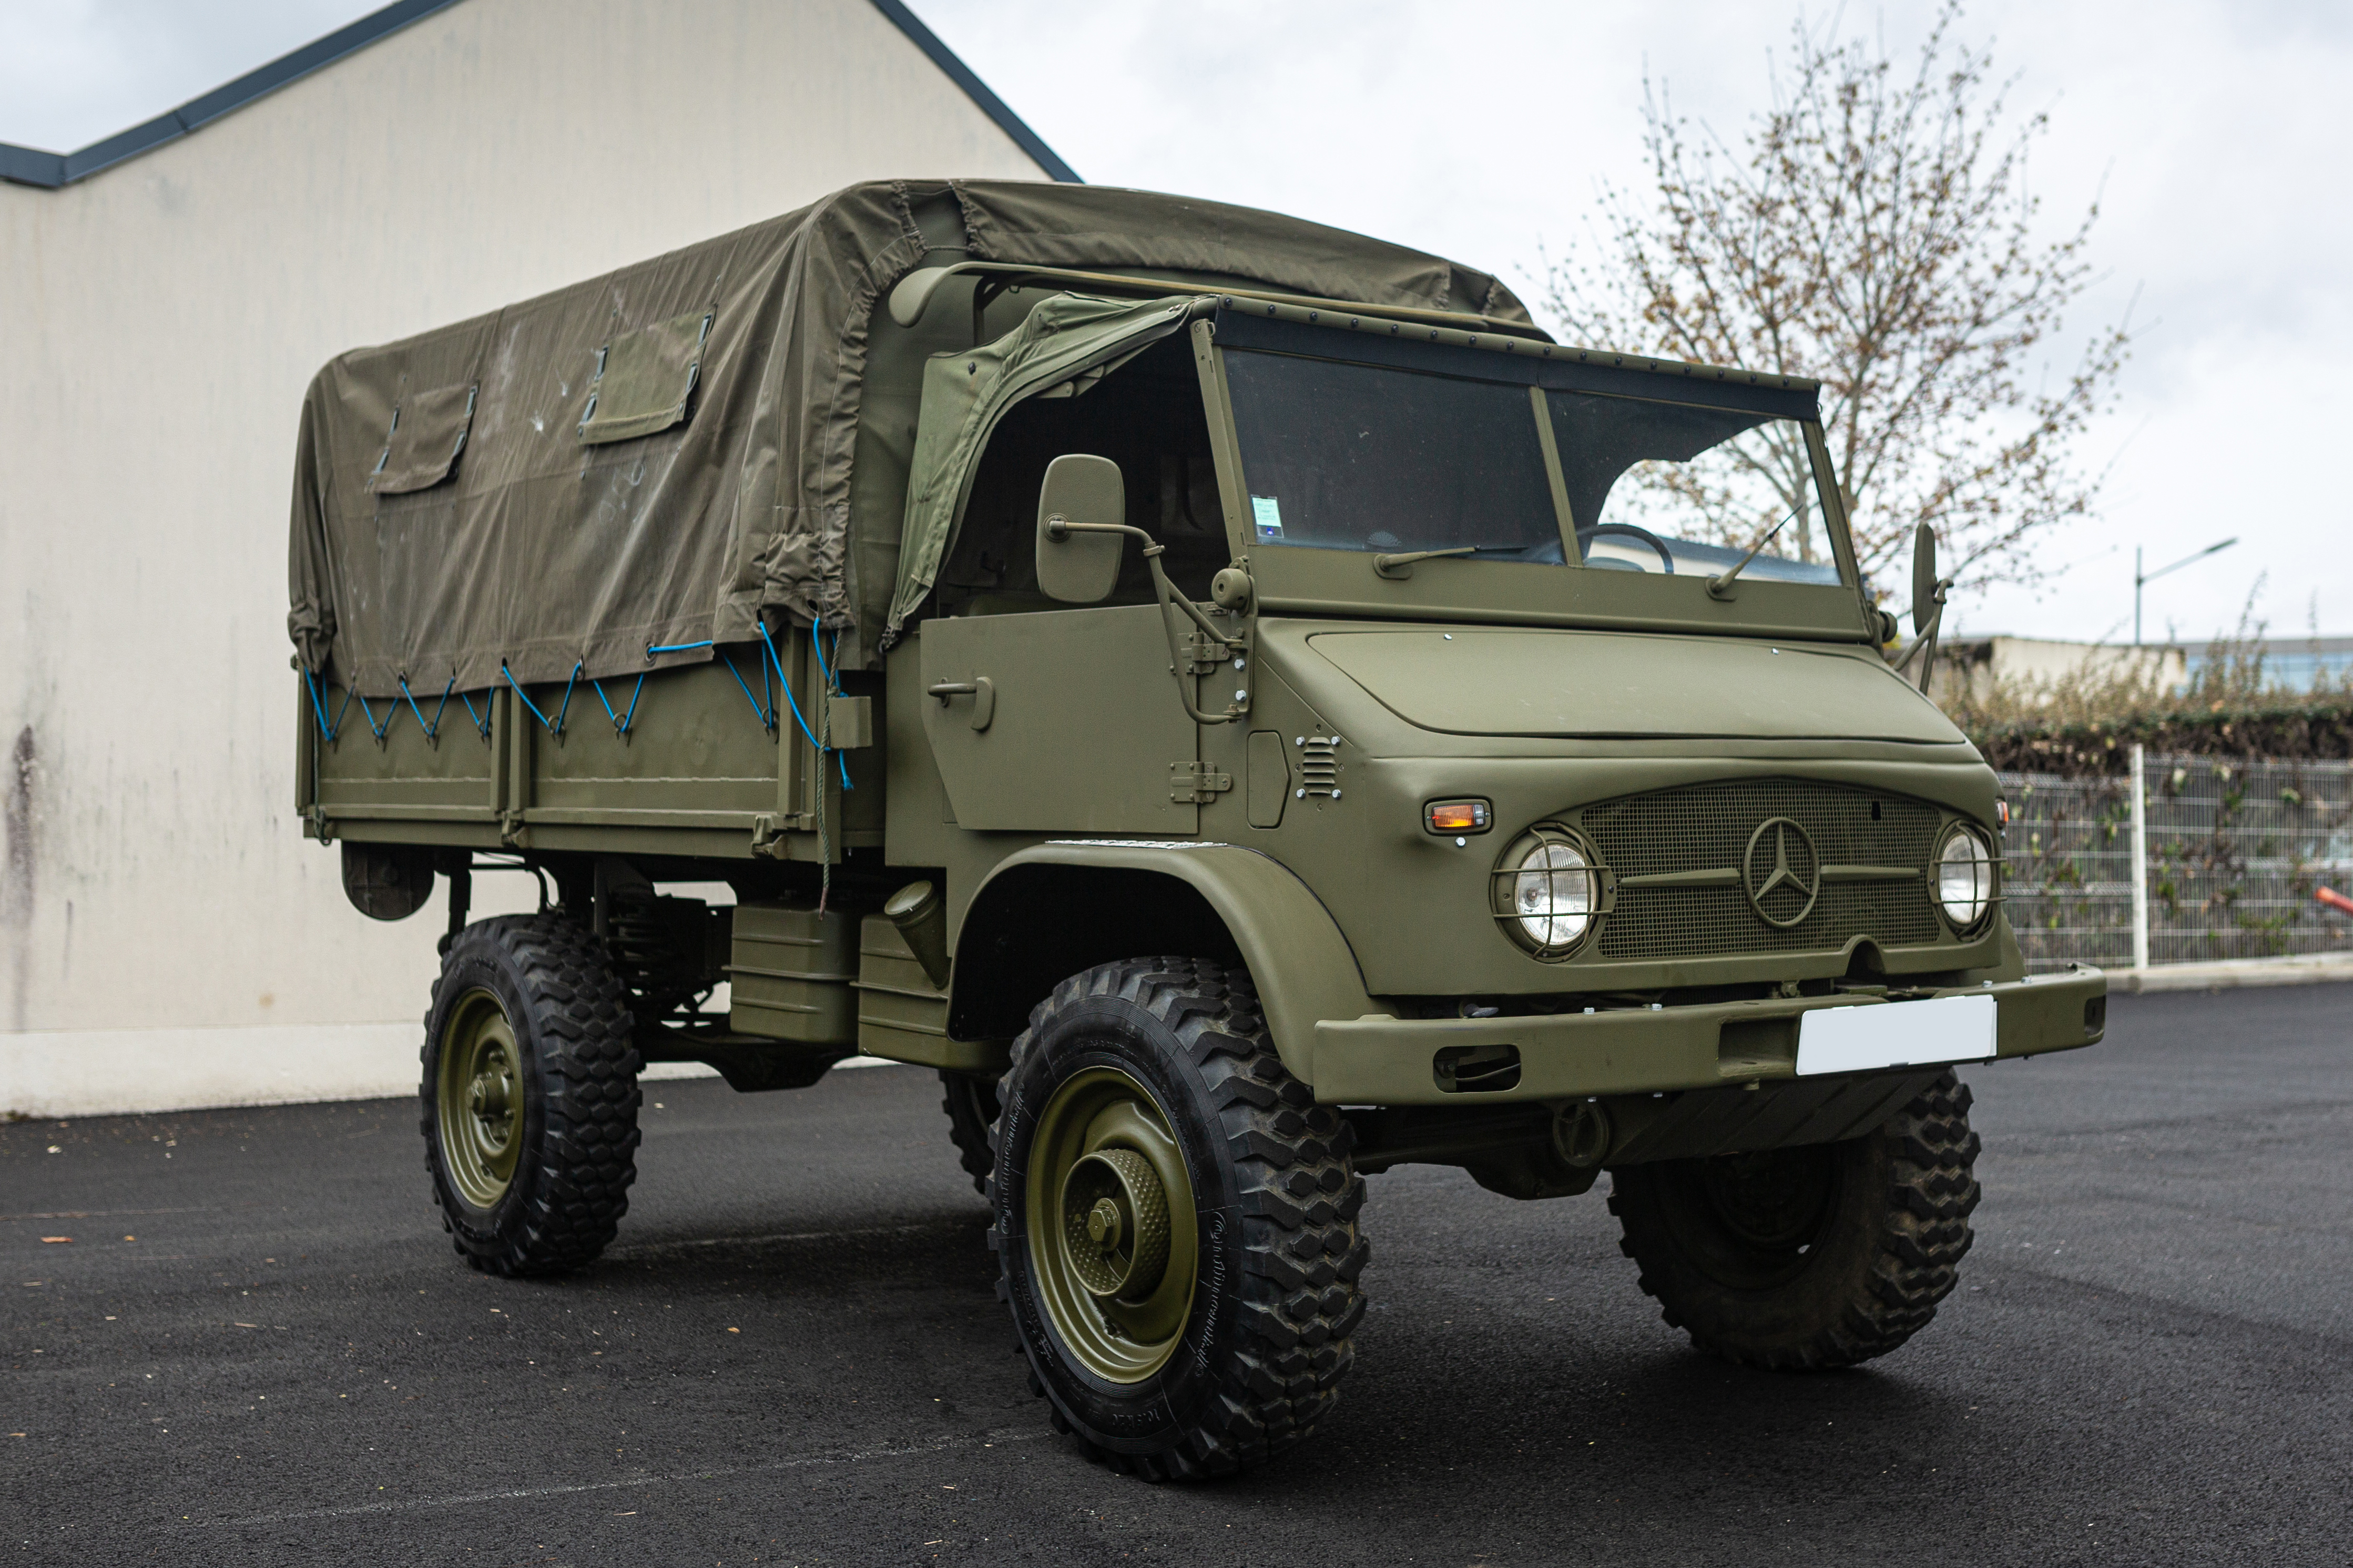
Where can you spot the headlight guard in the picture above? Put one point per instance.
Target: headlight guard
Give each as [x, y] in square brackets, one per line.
[1549, 889]
[1963, 879]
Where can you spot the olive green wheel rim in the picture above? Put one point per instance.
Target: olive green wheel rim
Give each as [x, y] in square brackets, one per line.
[1113, 1242]
[477, 1099]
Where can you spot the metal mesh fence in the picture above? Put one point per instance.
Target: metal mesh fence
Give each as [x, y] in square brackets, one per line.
[2236, 851]
[2067, 870]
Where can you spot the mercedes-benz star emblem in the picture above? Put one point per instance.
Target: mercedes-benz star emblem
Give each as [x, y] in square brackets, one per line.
[1781, 873]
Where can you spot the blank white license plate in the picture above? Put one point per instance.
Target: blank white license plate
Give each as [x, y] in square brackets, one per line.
[1897, 1034]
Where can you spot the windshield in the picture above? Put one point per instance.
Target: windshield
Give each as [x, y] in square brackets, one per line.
[1338, 456]
[1349, 456]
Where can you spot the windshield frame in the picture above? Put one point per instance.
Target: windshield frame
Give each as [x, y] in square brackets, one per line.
[1326, 581]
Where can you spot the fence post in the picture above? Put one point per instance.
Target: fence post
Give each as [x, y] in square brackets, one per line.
[2140, 857]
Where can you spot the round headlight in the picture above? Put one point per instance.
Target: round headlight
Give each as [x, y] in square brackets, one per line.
[1552, 894]
[1964, 878]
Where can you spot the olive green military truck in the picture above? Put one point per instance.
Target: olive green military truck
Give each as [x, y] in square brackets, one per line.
[1234, 697]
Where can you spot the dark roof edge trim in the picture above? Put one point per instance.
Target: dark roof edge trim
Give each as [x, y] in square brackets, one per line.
[961, 74]
[31, 166]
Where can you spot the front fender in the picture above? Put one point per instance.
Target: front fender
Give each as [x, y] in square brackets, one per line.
[1303, 968]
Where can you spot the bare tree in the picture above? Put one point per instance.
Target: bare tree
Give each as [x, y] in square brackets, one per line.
[1876, 232]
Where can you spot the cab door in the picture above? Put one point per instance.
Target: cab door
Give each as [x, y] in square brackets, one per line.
[1062, 720]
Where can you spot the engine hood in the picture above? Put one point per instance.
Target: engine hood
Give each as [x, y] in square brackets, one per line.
[1538, 682]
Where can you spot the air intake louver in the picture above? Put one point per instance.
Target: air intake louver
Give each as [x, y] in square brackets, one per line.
[1319, 766]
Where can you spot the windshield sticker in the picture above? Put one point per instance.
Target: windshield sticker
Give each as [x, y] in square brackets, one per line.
[1267, 512]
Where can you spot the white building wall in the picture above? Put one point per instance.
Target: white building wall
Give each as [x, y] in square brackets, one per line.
[1972, 667]
[167, 937]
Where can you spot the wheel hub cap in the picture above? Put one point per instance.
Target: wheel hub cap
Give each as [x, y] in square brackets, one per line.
[1113, 1240]
[1117, 1211]
[492, 1101]
[478, 1093]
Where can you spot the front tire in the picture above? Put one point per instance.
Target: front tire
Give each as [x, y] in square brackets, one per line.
[1175, 1222]
[530, 1096]
[1809, 1257]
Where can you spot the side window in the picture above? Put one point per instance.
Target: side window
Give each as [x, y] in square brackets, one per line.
[645, 379]
[1146, 417]
[420, 450]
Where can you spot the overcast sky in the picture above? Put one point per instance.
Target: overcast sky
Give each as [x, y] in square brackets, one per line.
[2213, 133]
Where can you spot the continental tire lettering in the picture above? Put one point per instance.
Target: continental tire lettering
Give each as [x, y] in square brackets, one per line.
[1213, 1238]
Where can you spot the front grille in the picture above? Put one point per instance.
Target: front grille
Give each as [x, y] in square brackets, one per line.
[1707, 827]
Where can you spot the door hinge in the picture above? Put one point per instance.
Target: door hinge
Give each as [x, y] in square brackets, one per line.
[1198, 654]
[1196, 784]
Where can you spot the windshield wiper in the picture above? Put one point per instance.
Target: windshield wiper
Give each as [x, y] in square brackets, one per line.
[1400, 566]
[1720, 585]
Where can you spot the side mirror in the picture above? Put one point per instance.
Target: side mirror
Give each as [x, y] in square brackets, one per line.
[1924, 577]
[1081, 568]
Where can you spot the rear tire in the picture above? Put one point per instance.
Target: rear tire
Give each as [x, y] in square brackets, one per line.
[530, 1095]
[1188, 1311]
[1809, 1258]
[972, 1106]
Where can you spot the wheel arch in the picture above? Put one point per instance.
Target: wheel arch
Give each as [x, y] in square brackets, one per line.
[1049, 912]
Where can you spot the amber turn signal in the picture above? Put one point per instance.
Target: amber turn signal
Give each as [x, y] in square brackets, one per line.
[1456, 816]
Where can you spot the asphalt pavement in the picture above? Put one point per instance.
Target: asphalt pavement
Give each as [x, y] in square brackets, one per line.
[257, 1347]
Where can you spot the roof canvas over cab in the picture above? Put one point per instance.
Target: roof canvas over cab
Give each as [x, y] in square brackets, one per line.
[662, 457]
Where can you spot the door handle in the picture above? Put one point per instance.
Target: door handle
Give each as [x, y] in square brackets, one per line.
[980, 689]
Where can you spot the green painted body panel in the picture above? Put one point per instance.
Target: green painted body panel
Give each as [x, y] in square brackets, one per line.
[902, 1016]
[696, 773]
[1277, 921]
[790, 972]
[1082, 725]
[1529, 682]
[1389, 1061]
[453, 777]
[1413, 905]
[1343, 583]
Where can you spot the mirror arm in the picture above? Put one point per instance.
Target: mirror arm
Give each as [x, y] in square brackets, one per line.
[1926, 638]
[1169, 596]
[1060, 528]
[1179, 661]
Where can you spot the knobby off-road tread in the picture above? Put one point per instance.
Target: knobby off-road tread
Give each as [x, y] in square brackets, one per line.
[1922, 1233]
[572, 1183]
[971, 1102]
[1926, 1232]
[1279, 1376]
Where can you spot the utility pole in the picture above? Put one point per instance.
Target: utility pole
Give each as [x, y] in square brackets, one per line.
[2141, 578]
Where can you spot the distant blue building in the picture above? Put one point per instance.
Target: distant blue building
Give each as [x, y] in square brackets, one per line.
[2294, 664]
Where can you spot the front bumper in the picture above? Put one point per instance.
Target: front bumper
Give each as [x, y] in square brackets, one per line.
[1382, 1060]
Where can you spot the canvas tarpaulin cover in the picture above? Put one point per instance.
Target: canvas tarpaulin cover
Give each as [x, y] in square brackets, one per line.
[662, 455]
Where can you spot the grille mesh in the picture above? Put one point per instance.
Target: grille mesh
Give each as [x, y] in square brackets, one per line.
[1704, 827]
